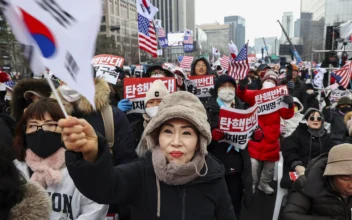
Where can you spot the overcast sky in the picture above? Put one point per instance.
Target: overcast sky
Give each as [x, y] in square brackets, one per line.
[260, 15]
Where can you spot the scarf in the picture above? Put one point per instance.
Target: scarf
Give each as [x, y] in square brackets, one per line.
[173, 173]
[46, 171]
[317, 132]
[146, 120]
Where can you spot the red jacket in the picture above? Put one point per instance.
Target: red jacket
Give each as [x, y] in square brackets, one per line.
[268, 148]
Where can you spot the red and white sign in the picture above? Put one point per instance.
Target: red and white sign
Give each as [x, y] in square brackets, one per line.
[252, 58]
[135, 89]
[238, 125]
[108, 60]
[271, 100]
[293, 176]
[203, 84]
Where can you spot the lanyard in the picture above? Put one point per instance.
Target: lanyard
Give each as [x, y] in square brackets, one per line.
[220, 103]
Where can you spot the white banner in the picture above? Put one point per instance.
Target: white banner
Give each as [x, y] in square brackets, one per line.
[337, 94]
[238, 125]
[55, 35]
[271, 100]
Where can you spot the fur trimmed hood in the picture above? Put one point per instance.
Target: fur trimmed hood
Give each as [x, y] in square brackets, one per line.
[18, 102]
[35, 204]
[102, 99]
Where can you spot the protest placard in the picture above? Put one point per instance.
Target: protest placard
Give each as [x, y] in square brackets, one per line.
[271, 100]
[203, 84]
[105, 65]
[336, 94]
[135, 89]
[238, 125]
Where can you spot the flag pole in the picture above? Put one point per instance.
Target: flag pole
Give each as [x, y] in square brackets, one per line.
[50, 82]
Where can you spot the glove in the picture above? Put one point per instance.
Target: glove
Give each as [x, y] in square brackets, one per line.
[243, 83]
[327, 101]
[217, 134]
[258, 135]
[125, 105]
[290, 85]
[288, 100]
[312, 96]
[300, 170]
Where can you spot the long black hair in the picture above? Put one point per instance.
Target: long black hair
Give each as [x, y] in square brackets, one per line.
[10, 182]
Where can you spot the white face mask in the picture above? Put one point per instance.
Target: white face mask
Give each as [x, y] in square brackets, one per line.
[152, 111]
[267, 85]
[226, 94]
[69, 94]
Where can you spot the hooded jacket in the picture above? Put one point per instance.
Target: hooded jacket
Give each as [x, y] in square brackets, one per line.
[300, 148]
[338, 128]
[193, 66]
[315, 198]
[18, 102]
[68, 202]
[35, 204]
[291, 124]
[124, 146]
[268, 148]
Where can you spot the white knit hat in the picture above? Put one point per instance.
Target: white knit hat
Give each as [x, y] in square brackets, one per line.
[157, 91]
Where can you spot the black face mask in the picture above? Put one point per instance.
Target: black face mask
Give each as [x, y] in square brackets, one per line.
[345, 109]
[44, 143]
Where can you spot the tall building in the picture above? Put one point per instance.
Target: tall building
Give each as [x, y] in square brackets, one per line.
[237, 26]
[321, 15]
[218, 36]
[287, 23]
[297, 28]
[272, 44]
[123, 14]
[176, 15]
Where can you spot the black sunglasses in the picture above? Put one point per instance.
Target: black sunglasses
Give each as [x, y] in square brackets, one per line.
[312, 118]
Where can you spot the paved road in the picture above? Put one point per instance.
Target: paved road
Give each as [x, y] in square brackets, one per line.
[262, 207]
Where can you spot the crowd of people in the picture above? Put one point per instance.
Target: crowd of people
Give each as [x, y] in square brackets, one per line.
[170, 162]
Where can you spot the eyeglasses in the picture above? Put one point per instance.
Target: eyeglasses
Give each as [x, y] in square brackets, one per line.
[312, 118]
[34, 128]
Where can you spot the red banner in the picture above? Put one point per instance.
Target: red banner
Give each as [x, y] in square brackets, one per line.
[136, 89]
[203, 84]
[238, 125]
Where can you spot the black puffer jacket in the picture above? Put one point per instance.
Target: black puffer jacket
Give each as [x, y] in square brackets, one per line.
[316, 199]
[300, 90]
[135, 183]
[338, 127]
[234, 162]
[300, 148]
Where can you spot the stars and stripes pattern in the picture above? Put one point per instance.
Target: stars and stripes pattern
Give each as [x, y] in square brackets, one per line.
[185, 61]
[225, 62]
[146, 36]
[239, 67]
[345, 74]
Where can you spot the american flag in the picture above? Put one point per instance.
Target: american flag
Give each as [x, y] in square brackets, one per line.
[185, 61]
[224, 62]
[161, 32]
[344, 74]
[239, 67]
[146, 36]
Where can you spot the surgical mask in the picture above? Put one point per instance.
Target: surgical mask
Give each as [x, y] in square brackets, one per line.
[296, 109]
[157, 76]
[267, 85]
[226, 94]
[44, 143]
[69, 94]
[152, 111]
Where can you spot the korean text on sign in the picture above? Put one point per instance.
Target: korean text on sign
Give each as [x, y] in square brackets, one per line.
[108, 60]
[136, 89]
[238, 125]
[271, 100]
[204, 84]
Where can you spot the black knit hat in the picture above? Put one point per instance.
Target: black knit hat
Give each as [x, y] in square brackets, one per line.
[221, 80]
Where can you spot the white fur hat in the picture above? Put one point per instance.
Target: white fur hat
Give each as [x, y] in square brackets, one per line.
[157, 91]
